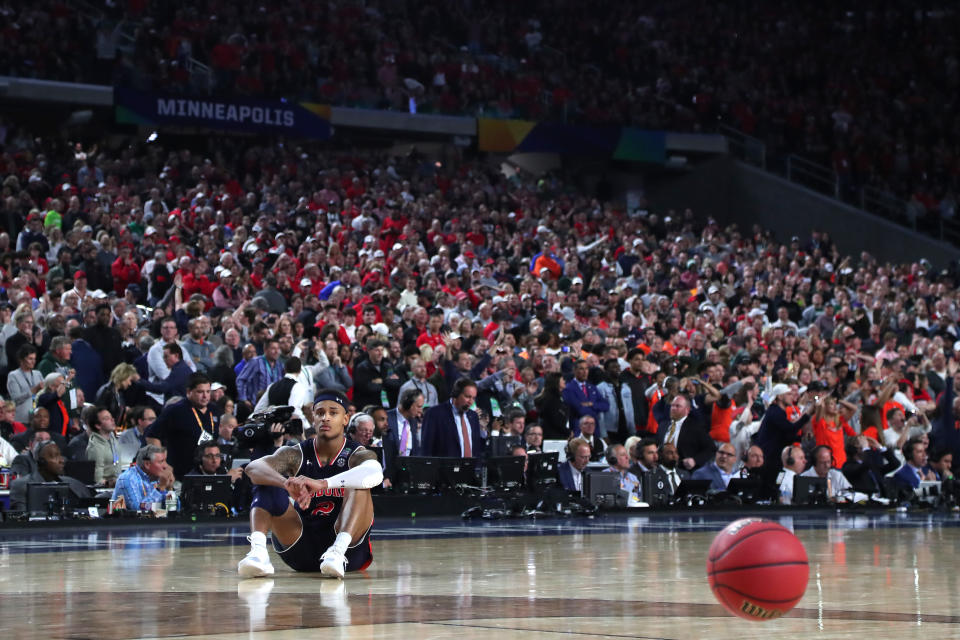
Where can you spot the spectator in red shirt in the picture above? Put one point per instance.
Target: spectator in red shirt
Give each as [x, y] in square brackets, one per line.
[124, 270]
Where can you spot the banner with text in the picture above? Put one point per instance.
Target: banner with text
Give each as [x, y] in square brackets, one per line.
[524, 136]
[277, 117]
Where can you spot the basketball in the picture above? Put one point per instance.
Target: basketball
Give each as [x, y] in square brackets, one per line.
[757, 569]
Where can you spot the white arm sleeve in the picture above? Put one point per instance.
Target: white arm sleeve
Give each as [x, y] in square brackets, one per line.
[365, 475]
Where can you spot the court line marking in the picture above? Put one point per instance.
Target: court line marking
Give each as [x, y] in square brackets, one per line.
[571, 633]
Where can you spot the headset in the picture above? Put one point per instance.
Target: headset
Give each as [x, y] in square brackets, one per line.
[569, 449]
[355, 419]
[819, 447]
[201, 449]
[788, 451]
[37, 449]
[907, 449]
[610, 455]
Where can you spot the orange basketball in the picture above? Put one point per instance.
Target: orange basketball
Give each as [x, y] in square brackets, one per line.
[757, 569]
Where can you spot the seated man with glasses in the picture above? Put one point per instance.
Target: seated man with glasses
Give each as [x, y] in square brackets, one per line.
[720, 471]
[210, 462]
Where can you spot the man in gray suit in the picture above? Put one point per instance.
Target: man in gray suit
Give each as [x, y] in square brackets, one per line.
[720, 470]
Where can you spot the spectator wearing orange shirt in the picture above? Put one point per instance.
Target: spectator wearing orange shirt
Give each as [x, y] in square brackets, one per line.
[830, 428]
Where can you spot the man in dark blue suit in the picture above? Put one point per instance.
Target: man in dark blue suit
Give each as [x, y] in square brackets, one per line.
[911, 474]
[720, 470]
[175, 384]
[452, 429]
[403, 436]
[945, 434]
[583, 398]
[570, 471]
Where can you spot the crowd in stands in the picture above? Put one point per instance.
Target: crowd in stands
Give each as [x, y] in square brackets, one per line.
[875, 99]
[163, 294]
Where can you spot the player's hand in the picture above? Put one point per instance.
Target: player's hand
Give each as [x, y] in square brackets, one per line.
[235, 474]
[297, 488]
[689, 463]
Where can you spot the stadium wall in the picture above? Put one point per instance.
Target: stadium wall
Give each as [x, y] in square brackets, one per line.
[734, 192]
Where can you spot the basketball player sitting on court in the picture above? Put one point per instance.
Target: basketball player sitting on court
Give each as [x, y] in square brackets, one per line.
[315, 498]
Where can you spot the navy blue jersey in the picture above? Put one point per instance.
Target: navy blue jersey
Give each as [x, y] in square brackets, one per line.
[324, 505]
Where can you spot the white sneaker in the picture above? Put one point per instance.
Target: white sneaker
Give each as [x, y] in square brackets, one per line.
[256, 564]
[333, 564]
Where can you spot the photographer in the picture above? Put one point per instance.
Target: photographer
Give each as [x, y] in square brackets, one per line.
[290, 390]
[266, 431]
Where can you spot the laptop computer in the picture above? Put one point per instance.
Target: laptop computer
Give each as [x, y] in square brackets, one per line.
[203, 493]
[417, 474]
[82, 470]
[505, 473]
[542, 471]
[458, 473]
[809, 490]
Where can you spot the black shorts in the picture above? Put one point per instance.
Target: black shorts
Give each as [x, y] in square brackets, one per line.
[304, 554]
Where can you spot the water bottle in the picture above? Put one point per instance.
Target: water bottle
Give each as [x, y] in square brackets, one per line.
[171, 502]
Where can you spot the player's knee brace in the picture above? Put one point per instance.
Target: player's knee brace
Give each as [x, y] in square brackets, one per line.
[274, 500]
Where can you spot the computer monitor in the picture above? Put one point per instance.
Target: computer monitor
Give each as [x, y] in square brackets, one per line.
[602, 488]
[809, 490]
[556, 446]
[542, 471]
[49, 498]
[501, 446]
[458, 473]
[506, 473]
[82, 470]
[655, 488]
[416, 474]
[202, 493]
[748, 490]
[691, 487]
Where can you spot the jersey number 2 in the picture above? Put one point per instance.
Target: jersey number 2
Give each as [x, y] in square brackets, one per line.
[322, 509]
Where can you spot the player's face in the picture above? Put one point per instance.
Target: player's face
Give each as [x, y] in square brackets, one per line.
[330, 419]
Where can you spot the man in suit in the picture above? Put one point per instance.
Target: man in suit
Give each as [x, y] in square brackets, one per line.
[646, 467]
[175, 384]
[720, 470]
[452, 429]
[867, 463]
[691, 438]
[670, 463]
[403, 436]
[583, 398]
[911, 474]
[571, 471]
[588, 431]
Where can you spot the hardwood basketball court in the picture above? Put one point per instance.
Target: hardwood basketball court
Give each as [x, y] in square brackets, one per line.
[881, 575]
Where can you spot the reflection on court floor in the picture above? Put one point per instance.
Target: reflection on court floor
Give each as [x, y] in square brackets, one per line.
[610, 576]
